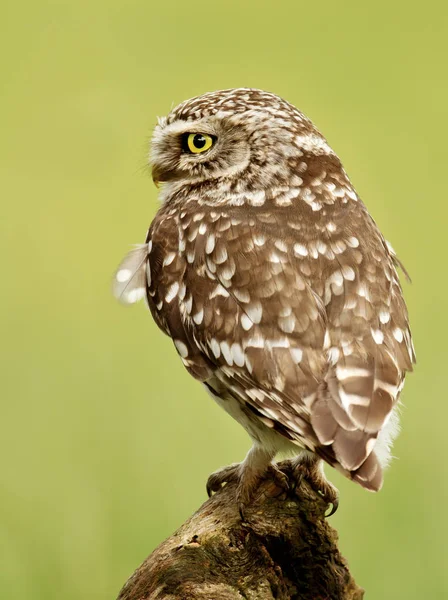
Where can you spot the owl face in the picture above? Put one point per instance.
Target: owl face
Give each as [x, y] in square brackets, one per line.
[198, 150]
[244, 138]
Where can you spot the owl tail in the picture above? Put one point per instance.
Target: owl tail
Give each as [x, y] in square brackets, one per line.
[369, 475]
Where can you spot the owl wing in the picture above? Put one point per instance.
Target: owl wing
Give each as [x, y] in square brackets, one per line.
[259, 322]
[371, 349]
[231, 311]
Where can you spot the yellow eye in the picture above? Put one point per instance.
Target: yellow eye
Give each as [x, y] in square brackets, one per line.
[198, 142]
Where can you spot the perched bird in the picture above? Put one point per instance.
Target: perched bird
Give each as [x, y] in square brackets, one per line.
[279, 291]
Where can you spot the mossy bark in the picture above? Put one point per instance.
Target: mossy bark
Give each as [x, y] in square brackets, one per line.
[285, 550]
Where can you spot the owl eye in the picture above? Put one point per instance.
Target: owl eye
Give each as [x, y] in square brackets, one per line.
[197, 142]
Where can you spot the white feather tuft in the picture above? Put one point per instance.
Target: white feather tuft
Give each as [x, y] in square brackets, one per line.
[129, 284]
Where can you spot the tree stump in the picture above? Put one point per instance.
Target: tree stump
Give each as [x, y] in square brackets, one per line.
[284, 550]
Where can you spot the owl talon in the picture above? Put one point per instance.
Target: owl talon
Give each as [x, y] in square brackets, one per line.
[309, 469]
[280, 479]
[216, 480]
[334, 507]
[241, 509]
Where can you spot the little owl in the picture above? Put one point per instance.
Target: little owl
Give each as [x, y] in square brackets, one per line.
[277, 288]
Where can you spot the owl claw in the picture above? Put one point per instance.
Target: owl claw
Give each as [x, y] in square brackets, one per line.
[241, 509]
[334, 507]
[222, 476]
[310, 471]
[280, 478]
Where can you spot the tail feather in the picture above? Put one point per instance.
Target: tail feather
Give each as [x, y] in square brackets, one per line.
[370, 474]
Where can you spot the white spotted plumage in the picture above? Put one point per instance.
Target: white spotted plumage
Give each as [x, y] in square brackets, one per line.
[277, 287]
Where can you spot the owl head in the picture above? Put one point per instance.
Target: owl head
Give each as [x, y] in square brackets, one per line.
[242, 139]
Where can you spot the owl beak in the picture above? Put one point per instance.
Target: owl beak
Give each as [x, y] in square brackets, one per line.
[156, 175]
[161, 175]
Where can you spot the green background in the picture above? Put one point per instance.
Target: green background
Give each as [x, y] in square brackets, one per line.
[106, 442]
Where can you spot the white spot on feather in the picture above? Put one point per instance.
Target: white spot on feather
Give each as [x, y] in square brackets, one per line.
[300, 250]
[198, 317]
[348, 273]
[338, 246]
[255, 394]
[313, 143]
[321, 247]
[348, 400]
[353, 242]
[281, 245]
[398, 334]
[297, 355]
[384, 316]
[216, 349]
[378, 336]
[219, 291]
[287, 324]
[343, 373]
[246, 323]
[282, 342]
[189, 304]
[169, 259]
[135, 295]
[333, 355]
[220, 255]
[237, 354]
[254, 312]
[181, 348]
[242, 295]
[228, 271]
[257, 341]
[172, 292]
[210, 243]
[225, 349]
[336, 278]
[124, 275]
[363, 291]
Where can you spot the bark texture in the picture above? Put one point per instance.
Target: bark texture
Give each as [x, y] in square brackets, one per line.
[285, 550]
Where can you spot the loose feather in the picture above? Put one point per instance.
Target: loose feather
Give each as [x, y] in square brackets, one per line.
[129, 283]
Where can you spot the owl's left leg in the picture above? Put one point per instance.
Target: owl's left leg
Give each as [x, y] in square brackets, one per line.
[248, 475]
[309, 467]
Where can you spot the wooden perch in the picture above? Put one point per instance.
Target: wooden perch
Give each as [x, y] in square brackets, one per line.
[286, 550]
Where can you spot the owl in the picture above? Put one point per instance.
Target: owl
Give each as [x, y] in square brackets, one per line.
[277, 288]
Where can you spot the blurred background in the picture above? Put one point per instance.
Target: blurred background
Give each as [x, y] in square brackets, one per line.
[106, 442]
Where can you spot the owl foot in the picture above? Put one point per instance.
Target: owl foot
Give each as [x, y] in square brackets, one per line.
[248, 476]
[249, 484]
[229, 474]
[280, 478]
[309, 469]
